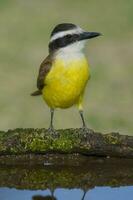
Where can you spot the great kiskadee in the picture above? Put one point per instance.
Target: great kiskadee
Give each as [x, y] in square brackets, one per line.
[64, 73]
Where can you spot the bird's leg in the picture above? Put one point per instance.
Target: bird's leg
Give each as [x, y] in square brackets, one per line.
[52, 193]
[84, 194]
[80, 108]
[82, 118]
[85, 129]
[51, 129]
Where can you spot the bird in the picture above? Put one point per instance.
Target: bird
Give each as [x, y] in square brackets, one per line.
[65, 72]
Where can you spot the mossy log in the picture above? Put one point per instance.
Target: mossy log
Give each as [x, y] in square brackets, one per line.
[40, 141]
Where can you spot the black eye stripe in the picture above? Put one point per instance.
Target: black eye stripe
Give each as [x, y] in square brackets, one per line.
[63, 41]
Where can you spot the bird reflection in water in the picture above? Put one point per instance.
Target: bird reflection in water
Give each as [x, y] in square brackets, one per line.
[51, 197]
[39, 197]
[84, 194]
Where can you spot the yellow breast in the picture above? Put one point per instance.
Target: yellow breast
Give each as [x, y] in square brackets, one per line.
[65, 83]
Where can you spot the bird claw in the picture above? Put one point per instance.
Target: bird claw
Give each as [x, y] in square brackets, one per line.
[86, 131]
[53, 132]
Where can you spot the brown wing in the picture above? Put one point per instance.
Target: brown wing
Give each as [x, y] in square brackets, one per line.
[43, 71]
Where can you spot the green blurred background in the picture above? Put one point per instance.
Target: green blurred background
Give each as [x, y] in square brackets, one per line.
[25, 26]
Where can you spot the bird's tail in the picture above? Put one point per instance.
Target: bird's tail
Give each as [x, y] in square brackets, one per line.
[36, 93]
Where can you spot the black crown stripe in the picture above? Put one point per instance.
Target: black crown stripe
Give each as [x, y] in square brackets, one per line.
[63, 27]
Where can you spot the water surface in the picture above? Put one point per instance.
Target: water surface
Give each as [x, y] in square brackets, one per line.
[91, 179]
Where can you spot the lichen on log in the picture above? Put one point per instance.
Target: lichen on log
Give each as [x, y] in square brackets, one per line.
[40, 141]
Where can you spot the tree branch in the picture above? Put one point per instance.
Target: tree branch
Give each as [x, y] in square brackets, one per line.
[40, 141]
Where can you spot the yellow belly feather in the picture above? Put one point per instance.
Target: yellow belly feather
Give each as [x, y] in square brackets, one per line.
[64, 85]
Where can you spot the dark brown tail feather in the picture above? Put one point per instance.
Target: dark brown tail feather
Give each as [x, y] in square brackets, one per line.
[36, 93]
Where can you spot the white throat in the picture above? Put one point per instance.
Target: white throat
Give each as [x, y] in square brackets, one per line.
[70, 52]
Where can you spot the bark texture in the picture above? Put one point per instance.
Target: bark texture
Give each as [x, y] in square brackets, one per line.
[86, 142]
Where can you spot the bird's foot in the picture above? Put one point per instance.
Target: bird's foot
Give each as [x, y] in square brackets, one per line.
[86, 131]
[53, 132]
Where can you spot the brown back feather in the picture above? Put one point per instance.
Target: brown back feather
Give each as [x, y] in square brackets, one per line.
[43, 71]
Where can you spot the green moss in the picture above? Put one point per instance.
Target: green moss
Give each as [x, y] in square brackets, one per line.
[112, 138]
[2, 147]
[35, 141]
[22, 141]
[38, 145]
[67, 141]
[38, 140]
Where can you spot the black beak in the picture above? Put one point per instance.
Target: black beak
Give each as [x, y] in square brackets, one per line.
[88, 35]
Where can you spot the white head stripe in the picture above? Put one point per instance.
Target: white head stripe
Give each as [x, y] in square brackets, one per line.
[63, 33]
